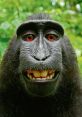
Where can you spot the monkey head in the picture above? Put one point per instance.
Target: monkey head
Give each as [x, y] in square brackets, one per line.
[40, 57]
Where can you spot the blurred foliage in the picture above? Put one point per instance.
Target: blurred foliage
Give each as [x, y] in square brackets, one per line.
[67, 12]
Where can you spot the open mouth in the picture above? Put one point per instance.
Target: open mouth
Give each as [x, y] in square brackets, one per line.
[40, 74]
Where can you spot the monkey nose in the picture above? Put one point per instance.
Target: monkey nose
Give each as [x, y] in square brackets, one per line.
[41, 59]
[41, 56]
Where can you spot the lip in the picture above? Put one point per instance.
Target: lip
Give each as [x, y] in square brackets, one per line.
[40, 75]
[40, 87]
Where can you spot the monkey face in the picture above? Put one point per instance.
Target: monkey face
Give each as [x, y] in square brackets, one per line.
[40, 56]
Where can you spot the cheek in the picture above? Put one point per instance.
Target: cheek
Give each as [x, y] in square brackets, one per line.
[24, 49]
[24, 53]
[56, 49]
[56, 56]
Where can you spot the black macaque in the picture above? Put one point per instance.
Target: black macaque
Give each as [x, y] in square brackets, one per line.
[39, 73]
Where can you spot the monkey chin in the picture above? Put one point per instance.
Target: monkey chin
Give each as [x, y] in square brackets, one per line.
[40, 83]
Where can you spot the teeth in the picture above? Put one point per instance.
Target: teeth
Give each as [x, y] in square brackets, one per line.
[51, 71]
[33, 78]
[53, 74]
[44, 73]
[48, 77]
[43, 78]
[29, 76]
[41, 75]
[38, 74]
[38, 78]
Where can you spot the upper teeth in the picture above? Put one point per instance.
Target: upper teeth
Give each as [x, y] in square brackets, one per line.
[40, 75]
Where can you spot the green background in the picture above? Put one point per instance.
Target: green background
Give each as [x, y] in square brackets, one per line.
[67, 12]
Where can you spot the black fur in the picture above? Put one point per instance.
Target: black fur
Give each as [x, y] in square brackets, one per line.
[16, 102]
[39, 17]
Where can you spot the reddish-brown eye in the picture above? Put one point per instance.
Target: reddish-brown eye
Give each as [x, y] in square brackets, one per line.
[28, 37]
[52, 37]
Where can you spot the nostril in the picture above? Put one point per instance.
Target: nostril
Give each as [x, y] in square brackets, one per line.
[41, 59]
[36, 58]
[45, 58]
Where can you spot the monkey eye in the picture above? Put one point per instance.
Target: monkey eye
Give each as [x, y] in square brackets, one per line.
[28, 37]
[51, 37]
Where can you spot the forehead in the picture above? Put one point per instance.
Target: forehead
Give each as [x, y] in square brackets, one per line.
[38, 24]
